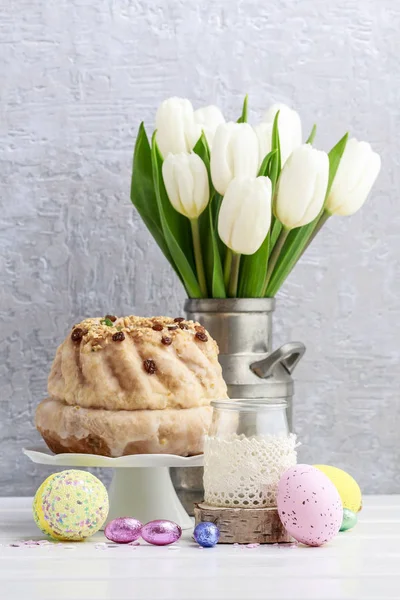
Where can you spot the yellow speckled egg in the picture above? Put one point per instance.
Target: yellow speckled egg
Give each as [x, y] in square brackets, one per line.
[348, 488]
[71, 505]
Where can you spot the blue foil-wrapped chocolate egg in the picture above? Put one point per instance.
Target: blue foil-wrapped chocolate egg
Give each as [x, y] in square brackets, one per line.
[206, 534]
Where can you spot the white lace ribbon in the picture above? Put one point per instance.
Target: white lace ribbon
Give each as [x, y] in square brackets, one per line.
[244, 472]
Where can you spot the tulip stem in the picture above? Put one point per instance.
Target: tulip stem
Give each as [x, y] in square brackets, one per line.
[234, 278]
[227, 267]
[198, 257]
[321, 222]
[274, 257]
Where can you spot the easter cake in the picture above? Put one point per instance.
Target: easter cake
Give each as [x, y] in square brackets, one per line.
[131, 385]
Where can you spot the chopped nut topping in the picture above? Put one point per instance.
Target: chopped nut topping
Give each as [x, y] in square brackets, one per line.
[201, 336]
[167, 341]
[97, 330]
[118, 337]
[149, 366]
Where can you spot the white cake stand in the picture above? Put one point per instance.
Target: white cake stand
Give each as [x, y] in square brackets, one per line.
[141, 486]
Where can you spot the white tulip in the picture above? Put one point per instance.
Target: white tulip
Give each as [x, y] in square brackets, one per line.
[358, 169]
[209, 118]
[234, 154]
[245, 214]
[186, 181]
[177, 130]
[264, 136]
[289, 128]
[302, 187]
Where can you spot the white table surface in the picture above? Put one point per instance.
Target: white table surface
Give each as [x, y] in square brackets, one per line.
[360, 564]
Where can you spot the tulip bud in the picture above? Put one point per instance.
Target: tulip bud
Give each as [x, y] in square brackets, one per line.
[245, 214]
[186, 181]
[209, 118]
[234, 154]
[358, 169]
[302, 187]
[177, 130]
[289, 128]
[264, 136]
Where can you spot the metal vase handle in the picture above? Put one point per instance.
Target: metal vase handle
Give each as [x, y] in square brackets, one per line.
[287, 355]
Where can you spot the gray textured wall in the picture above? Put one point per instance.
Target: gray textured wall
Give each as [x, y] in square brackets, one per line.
[77, 76]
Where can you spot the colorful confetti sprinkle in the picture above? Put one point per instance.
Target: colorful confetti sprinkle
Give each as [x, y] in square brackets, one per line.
[71, 505]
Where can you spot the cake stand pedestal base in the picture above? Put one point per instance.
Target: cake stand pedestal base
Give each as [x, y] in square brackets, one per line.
[141, 486]
[244, 525]
[146, 494]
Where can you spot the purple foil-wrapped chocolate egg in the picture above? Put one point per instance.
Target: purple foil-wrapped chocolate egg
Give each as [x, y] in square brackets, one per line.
[161, 533]
[123, 530]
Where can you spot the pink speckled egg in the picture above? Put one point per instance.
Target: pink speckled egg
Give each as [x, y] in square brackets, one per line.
[309, 505]
[161, 533]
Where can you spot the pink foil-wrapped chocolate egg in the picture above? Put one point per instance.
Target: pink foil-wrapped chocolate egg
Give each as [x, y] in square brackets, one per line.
[309, 505]
[123, 530]
[161, 533]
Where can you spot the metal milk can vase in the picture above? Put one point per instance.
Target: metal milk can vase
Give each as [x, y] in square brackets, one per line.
[251, 368]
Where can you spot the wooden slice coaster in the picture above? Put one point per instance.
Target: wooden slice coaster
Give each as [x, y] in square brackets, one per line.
[244, 525]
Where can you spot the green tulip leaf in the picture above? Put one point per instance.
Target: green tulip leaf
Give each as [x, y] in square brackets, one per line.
[245, 111]
[312, 135]
[264, 169]
[335, 156]
[208, 229]
[253, 271]
[276, 163]
[176, 232]
[143, 196]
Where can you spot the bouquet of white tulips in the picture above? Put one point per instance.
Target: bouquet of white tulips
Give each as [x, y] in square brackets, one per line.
[233, 207]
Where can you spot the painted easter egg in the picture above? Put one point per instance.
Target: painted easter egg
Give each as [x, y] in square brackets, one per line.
[71, 505]
[349, 520]
[161, 533]
[346, 485]
[309, 505]
[123, 530]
